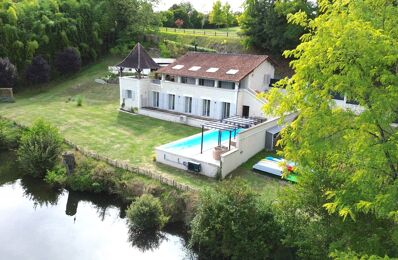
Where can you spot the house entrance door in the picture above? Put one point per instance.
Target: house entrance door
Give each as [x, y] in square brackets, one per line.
[245, 111]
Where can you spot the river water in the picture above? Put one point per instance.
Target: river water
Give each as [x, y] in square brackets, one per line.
[38, 222]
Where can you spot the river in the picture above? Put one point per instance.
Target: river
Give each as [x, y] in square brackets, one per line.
[39, 222]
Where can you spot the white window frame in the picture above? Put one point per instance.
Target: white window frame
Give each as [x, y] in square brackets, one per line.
[226, 110]
[188, 105]
[156, 97]
[171, 101]
[206, 107]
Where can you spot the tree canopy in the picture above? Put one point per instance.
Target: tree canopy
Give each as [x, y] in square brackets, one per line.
[265, 23]
[31, 28]
[348, 159]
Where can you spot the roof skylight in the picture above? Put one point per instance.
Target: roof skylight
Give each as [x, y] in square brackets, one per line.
[178, 67]
[212, 70]
[232, 72]
[194, 68]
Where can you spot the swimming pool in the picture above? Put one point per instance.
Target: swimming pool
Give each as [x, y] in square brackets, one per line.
[210, 140]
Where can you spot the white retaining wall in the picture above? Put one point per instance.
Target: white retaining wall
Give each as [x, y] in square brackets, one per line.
[177, 161]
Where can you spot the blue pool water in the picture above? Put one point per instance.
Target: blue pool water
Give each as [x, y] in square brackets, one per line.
[210, 140]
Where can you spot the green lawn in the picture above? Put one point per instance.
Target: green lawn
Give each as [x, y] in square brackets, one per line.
[224, 32]
[99, 126]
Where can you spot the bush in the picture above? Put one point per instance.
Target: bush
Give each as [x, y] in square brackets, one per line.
[8, 73]
[174, 205]
[68, 61]
[39, 149]
[9, 134]
[146, 213]
[38, 71]
[82, 179]
[56, 177]
[79, 100]
[232, 223]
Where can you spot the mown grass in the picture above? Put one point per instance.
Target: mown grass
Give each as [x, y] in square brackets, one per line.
[221, 32]
[97, 125]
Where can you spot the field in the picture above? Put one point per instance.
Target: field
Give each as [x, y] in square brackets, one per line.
[98, 125]
[222, 32]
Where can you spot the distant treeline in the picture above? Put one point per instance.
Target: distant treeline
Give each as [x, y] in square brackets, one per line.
[31, 28]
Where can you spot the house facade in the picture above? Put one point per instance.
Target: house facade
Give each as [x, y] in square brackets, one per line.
[205, 86]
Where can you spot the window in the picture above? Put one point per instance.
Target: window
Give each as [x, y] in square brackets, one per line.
[155, 99]
[188, 104]
[194, 68]
[232, 72]
[178, 67]
[206, 107]
[212, 70]
[187, 80]
[206, 82]
[170, 78]
[336, 95]
[226, 108]
[172, 101]
[129, 94]
[226, 84]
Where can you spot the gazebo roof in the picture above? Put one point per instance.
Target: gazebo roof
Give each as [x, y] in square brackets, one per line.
[138, 59]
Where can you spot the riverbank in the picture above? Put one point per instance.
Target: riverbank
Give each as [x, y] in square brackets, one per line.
[72, 225]
[95, 176]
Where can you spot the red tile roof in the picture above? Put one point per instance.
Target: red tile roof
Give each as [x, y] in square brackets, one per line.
[244, 63]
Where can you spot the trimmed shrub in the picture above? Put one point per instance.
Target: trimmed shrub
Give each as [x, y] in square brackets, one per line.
[39, 149]
[79, 100]
[8, 73]
[68, 61]
[232, 223]
[146, 213]
[38, 71]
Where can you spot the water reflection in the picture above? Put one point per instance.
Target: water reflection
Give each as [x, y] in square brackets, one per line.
[145, 240]
[39, 222]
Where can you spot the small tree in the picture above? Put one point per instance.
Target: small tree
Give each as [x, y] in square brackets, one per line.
[68, 61]
[179, 23]
[38, 71]
[8, 73]
[146, 213]
[232, 223]
[39, 148]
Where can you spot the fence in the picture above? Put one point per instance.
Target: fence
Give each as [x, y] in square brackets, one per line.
[209, 32]
[135, 169]
[124, 165]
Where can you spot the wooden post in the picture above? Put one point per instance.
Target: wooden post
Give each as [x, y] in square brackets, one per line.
[69, 161]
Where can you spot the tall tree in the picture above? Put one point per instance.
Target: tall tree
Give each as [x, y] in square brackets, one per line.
[265, 23]
[216, 15]
[228, 16]
[347, 195]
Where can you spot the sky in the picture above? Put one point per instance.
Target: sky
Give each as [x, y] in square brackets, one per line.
[203, 6]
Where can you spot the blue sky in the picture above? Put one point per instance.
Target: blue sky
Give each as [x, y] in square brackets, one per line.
[200, 5]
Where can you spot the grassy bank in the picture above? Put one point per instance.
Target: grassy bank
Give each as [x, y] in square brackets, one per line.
[221, 32]
[98, 125]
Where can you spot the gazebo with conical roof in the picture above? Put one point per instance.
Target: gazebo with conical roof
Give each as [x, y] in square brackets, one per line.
[139, 60]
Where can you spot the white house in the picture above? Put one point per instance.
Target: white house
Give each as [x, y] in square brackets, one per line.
[198, 86]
